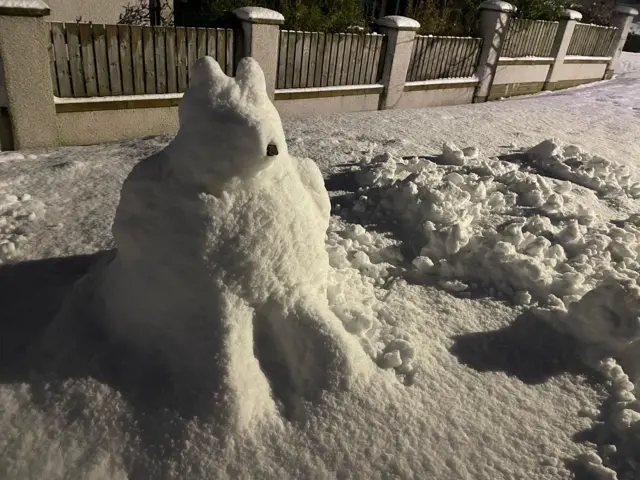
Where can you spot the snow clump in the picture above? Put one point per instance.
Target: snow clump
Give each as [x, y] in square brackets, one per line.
[488, 222]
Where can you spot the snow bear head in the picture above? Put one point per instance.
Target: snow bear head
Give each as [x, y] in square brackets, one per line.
[228, 126]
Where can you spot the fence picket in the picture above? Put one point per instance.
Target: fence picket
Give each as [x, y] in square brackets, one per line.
[317, 76]
[75, 60]
[291, 51]
[357, 67]
[161, 60]
[192, 50]
[137, 59]
[313, 54]
[366, 59]
[172, 62]
[113, 57]
[126, 72]
[298, 57]
[282, 59]
[52, 68]
[230, 53]
[306, 53]
[88, 60]
[326, 58]
[61, 62]
[222, 52]
[149, 60]
[378, 58]
[181, 47]
[202, 42]
[102, 63]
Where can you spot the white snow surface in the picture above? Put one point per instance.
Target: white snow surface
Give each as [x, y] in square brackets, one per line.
[483, 381]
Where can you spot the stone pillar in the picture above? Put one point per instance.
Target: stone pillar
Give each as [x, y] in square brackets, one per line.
[400, 32]
[261, 40]
[494, 21]
[24, 44]
[622, 19]
[560, 45]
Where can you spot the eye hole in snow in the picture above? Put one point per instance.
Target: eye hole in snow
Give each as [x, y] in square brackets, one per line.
[272, 150]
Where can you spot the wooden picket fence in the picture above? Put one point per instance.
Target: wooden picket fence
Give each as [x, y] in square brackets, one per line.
[93, 60]
[529, 38]
[435, 58]
[313, 59]
[591, 40]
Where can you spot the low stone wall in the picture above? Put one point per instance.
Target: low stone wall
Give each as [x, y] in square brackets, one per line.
[302, 101]
[519, 76]
[576, 71]
[437, 94]
[97, 121]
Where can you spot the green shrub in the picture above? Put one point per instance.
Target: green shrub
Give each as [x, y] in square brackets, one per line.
[460, 17]
[309, 15]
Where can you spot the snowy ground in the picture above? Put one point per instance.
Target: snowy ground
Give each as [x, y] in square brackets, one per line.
[473, 381]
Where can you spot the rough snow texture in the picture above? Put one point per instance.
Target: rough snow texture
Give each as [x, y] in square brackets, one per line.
[221, 254]
[491, 223]
[17, 214]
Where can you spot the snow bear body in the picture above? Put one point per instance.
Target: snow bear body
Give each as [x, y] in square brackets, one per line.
[221, 263]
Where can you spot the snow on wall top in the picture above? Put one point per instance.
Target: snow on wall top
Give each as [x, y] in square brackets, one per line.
[498, 5]
[24, 8]
[572, 15]
[259, 15]
[626, 9]
[398, 22]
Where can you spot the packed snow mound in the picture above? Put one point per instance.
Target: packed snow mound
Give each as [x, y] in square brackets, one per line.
[360, 276]
[492, 223]
[591, 171]
[221, 266]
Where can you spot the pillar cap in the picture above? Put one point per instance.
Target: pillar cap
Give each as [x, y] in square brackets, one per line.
[571, 15]
[259, 15]
[398, 22]
[498, 6]
[24, 8]
[626, 10]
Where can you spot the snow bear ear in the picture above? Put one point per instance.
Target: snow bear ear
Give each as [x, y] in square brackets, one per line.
[207, 73]
[250, 78]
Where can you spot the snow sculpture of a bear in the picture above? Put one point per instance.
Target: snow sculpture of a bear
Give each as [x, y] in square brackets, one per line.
[221, 264]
